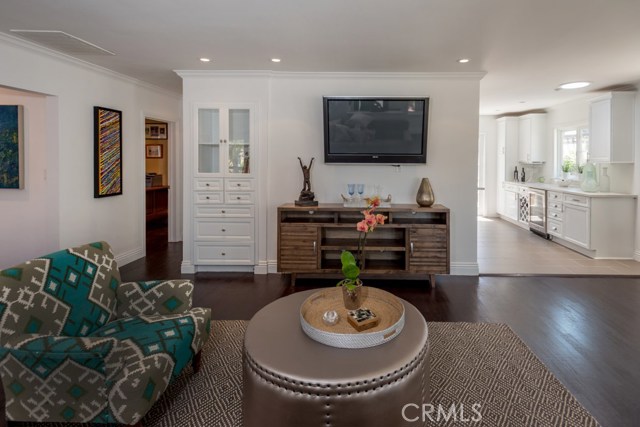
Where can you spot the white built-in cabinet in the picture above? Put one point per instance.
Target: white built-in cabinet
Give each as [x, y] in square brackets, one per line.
[532, 130]
[224, 190]
[611, 127]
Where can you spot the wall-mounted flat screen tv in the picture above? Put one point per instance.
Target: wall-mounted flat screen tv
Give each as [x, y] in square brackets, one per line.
[375, 129]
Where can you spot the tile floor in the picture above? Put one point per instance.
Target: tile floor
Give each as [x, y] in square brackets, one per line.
[504, 248]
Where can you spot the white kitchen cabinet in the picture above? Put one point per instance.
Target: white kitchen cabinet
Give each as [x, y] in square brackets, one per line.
[576, 225]
[611, 128]
[507, 136]
[532, 138]
[596, 226]
[511, 204]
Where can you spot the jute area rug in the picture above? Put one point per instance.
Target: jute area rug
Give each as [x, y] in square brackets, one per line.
[471, 363]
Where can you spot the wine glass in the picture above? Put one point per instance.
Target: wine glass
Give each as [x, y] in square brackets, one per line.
[351, 189]
[360, 189]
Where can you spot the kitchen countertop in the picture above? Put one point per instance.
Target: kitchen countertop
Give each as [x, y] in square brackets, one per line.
[570, 190]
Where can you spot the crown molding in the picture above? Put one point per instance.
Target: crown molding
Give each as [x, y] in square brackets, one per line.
[330, 74]
[25, 44]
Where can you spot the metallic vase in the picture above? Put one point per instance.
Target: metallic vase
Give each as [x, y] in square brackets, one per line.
[425, 196]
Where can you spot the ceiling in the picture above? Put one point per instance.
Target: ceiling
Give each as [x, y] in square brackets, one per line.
[526, 47]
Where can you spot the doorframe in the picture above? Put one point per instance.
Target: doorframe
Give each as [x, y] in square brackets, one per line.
[174, 151]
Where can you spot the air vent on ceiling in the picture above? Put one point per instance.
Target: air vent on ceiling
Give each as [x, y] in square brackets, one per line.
[62, 42]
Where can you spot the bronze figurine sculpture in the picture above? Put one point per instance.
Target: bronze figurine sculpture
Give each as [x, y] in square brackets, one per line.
[306, 195]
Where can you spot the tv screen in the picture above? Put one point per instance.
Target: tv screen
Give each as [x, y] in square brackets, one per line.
[375, 129]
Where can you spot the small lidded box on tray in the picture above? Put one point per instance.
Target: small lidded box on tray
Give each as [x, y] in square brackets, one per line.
[362, 319]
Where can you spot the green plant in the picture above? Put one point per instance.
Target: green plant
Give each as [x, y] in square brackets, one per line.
[351, 265]
[567, 165]
[580, 168]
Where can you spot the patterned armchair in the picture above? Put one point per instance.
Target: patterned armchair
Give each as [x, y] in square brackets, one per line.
[77, 345]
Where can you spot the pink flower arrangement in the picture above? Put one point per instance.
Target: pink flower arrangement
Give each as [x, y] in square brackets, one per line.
[367, 225]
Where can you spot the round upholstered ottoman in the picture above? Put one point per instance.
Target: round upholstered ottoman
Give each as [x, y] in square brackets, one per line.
[291, 380]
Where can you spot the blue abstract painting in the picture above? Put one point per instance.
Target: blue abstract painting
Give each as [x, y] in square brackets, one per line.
[11, 167]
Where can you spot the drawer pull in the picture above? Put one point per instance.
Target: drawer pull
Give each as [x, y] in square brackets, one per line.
[207, 184]
[554, 228]
[223, 211]
[315, 247]
[223, 254]
[312, 212]
[223, 230]
[238, 198]
[576, 200]
[239, 184]
[207, 197]
[411, 247]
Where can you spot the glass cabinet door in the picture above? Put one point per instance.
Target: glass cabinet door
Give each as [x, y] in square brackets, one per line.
[238, 146]
[209, 140]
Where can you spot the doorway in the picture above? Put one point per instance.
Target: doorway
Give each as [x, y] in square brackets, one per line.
[156, 185]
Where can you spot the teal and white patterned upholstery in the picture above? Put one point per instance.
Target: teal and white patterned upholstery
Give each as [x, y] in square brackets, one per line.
[77, 345]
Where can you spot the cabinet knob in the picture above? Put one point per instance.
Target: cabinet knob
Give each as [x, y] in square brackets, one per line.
[554, 228]
[223, 230]
[238, 184]
[207, 184]
[238, 198]
[223, 254]
[223, 211]
[207, 197]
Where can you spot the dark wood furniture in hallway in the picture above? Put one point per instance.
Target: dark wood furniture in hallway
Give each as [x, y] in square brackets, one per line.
[586, 330]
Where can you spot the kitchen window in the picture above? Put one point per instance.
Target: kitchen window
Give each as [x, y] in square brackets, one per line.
[572, 149]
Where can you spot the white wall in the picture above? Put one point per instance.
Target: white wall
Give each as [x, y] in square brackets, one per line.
[30, 216]
[78, 87]
[291, 126]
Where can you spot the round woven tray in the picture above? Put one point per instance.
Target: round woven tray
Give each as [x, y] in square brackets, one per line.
[386, 306]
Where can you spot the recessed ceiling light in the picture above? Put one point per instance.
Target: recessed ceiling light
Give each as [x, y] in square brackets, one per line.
[574, 85]
[205, 59]
[275, 60]
[463, 60]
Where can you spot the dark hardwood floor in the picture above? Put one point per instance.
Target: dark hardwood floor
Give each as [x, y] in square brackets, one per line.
[586, 330]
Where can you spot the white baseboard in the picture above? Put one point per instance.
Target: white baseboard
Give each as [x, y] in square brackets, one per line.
[465, 269]
[272, 267]
[636, 255]
[226, 268]
[261, 268]
[129, 256]
[187, 268]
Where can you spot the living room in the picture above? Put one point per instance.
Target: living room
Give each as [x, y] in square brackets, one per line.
[56, 208]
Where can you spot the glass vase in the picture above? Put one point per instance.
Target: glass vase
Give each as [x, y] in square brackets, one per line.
[353, 298]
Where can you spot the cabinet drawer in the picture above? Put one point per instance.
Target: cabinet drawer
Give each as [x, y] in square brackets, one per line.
[212, 184]
[204, 211]
[554, 215]
[554, 205]
[209, 197]
[227, 229]
[576, 200]
[234, 197]
[554, 228]
[224, 254]
[554, 196]
[237, 184]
